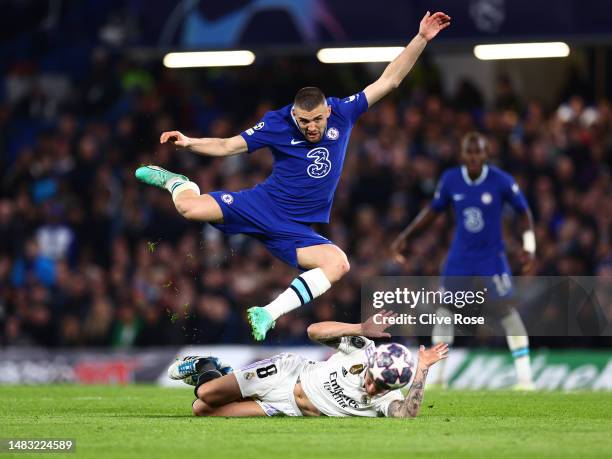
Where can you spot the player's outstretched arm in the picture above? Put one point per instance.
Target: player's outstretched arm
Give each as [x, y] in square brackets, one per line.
[409, 408]
[397, 70]
[329, 333]
[206, 146]
[425, 218]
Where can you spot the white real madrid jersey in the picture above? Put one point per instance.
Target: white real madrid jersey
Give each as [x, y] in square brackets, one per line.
[336, 387]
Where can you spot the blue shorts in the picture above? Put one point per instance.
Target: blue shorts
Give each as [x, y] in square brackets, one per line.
[493, 271]
[254, 213]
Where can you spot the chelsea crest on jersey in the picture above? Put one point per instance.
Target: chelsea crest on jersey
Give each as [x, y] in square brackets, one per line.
[305, 175]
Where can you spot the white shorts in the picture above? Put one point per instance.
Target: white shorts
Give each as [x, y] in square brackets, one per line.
[270, 383]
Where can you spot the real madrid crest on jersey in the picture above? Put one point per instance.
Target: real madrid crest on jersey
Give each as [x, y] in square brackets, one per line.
[356, 369]
[332, 133]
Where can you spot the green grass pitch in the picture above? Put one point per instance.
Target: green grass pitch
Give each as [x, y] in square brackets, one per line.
[150, 422]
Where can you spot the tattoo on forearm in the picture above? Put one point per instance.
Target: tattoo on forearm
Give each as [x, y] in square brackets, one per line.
[412, 403]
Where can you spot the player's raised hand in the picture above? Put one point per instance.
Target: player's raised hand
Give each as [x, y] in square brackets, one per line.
[373, 330]
[431, 24]
[427, 357]
[176, 137]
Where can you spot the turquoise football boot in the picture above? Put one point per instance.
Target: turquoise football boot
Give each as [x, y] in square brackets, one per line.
[261, 321]
[157, 176]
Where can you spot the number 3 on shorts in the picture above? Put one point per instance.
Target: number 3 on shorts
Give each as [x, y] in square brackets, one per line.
[264, 372]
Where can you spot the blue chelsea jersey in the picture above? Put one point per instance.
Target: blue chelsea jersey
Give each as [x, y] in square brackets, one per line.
[478, 206]
[305, 174]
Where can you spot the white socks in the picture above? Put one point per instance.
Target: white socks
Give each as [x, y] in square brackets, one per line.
[516, 336]
[177, 185]
[518, 342]
[304, 288]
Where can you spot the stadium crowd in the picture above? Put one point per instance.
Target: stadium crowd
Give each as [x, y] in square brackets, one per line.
[88, 256]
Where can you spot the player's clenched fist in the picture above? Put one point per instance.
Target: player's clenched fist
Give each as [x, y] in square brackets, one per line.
[175, 137]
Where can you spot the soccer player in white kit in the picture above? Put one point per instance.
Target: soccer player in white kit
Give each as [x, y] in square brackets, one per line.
[291, 385]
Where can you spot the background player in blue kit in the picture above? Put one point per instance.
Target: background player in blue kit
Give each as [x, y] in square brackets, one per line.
[478, 193]
[308, 140]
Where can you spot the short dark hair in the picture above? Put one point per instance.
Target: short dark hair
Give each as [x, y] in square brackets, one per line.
[309, 98]
[473, 137]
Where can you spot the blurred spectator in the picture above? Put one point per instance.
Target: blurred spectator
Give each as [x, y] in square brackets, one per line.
[89, 257]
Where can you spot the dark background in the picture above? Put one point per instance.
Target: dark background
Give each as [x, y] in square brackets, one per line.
[89, 257]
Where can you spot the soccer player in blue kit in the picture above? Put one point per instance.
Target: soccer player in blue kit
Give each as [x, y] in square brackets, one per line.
[478, 193]
[308, 140]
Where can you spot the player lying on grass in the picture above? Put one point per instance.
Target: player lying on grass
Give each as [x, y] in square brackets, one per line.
[308, 140]
[354, 381]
